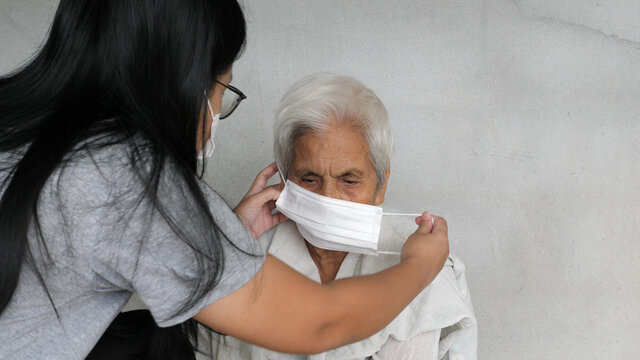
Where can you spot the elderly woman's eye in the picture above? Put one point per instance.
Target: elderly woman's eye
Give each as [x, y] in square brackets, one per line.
[350, 182]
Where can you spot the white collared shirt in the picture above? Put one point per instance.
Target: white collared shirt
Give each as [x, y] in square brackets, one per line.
[439, 323]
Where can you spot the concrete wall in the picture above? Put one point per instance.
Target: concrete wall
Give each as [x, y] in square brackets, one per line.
[518, 121]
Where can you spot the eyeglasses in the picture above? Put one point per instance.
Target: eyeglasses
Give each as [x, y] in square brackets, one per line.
[230, 100]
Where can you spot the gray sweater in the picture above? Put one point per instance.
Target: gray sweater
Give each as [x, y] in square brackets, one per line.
[102, 241]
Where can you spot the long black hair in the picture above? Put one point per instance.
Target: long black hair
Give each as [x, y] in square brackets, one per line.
[114, 69]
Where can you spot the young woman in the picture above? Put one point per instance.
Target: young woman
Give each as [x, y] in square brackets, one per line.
[99, 139]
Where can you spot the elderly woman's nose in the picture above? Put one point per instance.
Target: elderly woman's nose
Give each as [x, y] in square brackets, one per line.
[331, 190]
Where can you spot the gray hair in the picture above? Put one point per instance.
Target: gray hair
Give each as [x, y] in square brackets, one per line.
[312, 103]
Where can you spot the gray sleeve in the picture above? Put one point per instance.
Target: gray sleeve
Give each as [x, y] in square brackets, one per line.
[131, 244]
[167, 270]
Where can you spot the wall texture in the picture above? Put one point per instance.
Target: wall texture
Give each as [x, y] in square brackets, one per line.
[518, 121]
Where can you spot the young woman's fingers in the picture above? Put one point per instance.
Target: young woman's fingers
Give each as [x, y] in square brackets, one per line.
[440, 225]
[261, 179]
[270, 193]
[278, 218]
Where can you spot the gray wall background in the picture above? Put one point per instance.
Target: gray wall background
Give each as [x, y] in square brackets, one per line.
[518, 121]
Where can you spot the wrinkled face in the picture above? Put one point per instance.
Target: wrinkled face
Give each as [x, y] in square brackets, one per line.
[335, 163]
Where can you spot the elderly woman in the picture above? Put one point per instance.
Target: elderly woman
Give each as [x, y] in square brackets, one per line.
[332, 138]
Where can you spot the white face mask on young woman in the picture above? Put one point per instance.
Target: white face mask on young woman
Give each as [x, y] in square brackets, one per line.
[207, 148]
[333, 224]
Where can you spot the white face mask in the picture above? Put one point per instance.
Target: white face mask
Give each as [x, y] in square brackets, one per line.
[207, 149]
[333, 224]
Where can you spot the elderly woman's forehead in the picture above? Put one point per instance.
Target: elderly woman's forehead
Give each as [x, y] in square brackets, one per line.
[333, 143]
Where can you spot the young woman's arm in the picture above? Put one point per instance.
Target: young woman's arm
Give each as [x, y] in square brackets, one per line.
[283, 310]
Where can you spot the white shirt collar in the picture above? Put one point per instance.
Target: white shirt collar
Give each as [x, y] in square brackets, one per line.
[288, 245]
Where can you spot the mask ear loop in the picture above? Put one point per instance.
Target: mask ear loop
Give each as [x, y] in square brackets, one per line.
[282, 178]
[210, 110]
[206, 98]
[407, 214]
[400, 214]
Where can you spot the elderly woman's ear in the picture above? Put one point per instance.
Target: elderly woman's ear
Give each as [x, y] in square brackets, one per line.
[379, 197]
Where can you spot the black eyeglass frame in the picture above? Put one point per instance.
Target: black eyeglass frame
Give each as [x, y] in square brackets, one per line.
[241, 96]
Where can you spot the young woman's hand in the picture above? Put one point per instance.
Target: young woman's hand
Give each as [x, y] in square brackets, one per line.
[429, 245]
[255, 209]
